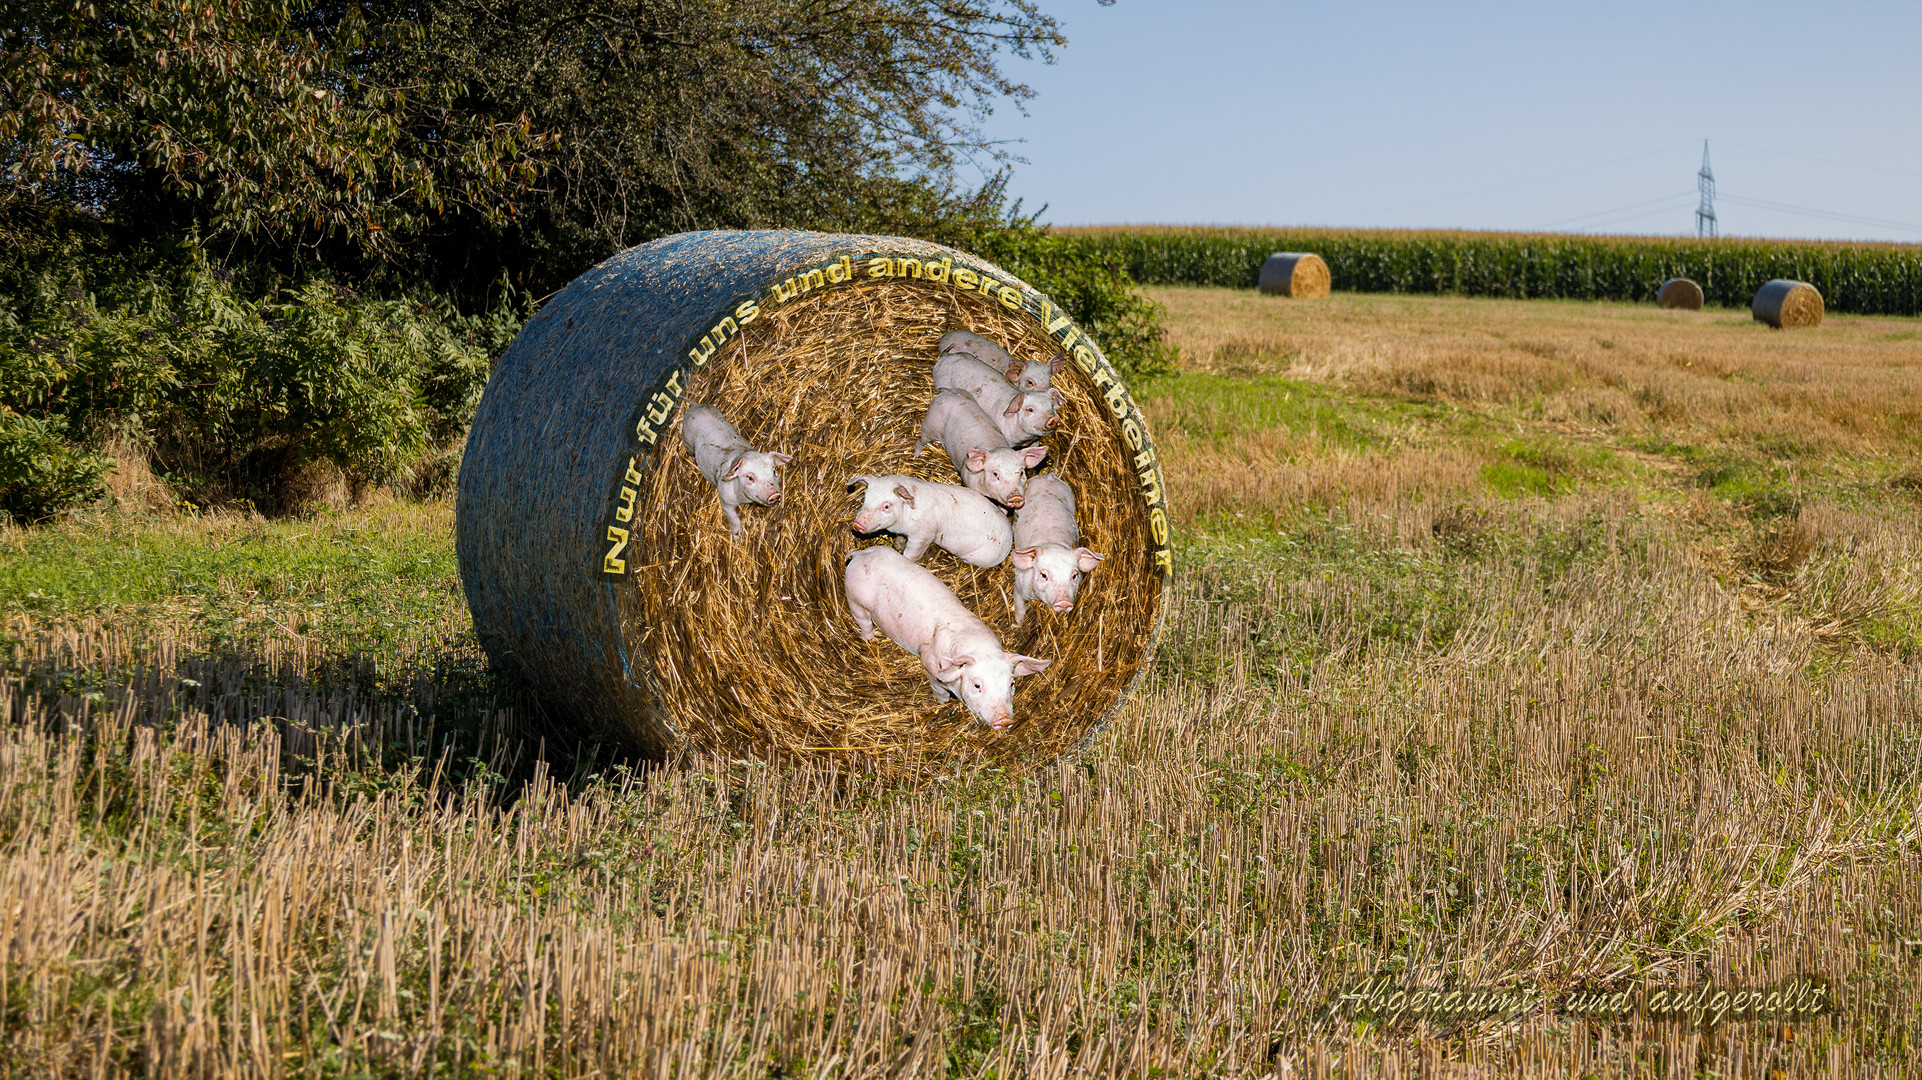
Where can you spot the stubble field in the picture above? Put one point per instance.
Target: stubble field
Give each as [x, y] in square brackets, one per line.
[1566, 648]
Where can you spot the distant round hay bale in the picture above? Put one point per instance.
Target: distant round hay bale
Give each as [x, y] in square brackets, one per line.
[1680, 293]
[1788, 305]
[1295, 273]
[597, 564]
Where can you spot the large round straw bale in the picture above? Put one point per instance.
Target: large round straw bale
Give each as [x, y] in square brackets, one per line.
[1788, 305]
[1295, 273]
[1680, 293]
[594, 554]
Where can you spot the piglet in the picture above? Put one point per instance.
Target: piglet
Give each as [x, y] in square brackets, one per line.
[963, 657]
[739, 473]
[1027, 375]
[962, 522]
[1048, 557]
[1022, 416]
[981, 455]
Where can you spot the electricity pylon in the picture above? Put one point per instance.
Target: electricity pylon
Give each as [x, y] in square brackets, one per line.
[1705, 224]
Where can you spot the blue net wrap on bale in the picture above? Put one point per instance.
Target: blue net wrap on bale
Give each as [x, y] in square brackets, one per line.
[1787, 305]
[598, 566]
[1299, 274]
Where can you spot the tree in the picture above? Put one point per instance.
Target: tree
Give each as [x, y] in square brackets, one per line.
[670, 115]
[453, 141]
[242, 119]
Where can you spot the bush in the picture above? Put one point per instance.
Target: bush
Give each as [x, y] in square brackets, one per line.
[1095, 289]
[243, 393]
[40, 474]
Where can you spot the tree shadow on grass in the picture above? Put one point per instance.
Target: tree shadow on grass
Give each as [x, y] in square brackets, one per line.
[443, 720]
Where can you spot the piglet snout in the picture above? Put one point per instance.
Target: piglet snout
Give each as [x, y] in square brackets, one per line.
[1002, 721]
[1064, 605]
[1015, 501]
[1053, 422]
[774, 498]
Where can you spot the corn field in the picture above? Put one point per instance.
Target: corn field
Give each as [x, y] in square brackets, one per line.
[1862, 279]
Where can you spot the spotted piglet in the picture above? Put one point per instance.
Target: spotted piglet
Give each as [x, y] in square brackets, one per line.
[1027, 376]
[980, 453]
[1048, 557]
[740, 474]
[963, 523]
[962, 656]
[1022, 415]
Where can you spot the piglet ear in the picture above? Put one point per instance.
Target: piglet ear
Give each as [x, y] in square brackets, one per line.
[1014, 406]
[1015, 368]
[943, 668]
[906, 495]
[977, 460]
[1055, 397]
[1086, 559]
[781, 459]
[853, 480]
[1056, 362]
[1027, 665]
[1023, 558]
[1034, 455]
[733, 469]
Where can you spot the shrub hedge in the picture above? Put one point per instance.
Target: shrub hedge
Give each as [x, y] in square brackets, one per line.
[238, 390]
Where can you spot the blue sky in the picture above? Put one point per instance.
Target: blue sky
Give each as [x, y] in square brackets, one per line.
[1481, 116]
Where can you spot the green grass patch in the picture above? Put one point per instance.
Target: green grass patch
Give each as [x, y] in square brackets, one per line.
[1545, 467]
[1220, 408]
[380, 582]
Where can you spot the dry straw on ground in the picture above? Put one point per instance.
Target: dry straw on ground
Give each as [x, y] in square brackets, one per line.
[1611, 775]
[1616, 737]
[1625, 368]
[1788, 305]
[752, 644]
[1680, 293]
[1295, 273]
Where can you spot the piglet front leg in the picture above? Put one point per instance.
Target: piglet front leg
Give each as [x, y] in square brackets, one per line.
[928, 667]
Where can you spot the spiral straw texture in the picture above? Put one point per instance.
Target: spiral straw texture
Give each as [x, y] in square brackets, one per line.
[1295, 273]
[1680, 293]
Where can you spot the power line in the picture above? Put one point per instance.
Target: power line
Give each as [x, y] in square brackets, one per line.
[1806, 211]
[1668, 209]
[1828, 161]
[1535, 180]
[1618, 209]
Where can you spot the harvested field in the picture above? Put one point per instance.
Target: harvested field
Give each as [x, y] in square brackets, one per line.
[1555, 647]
